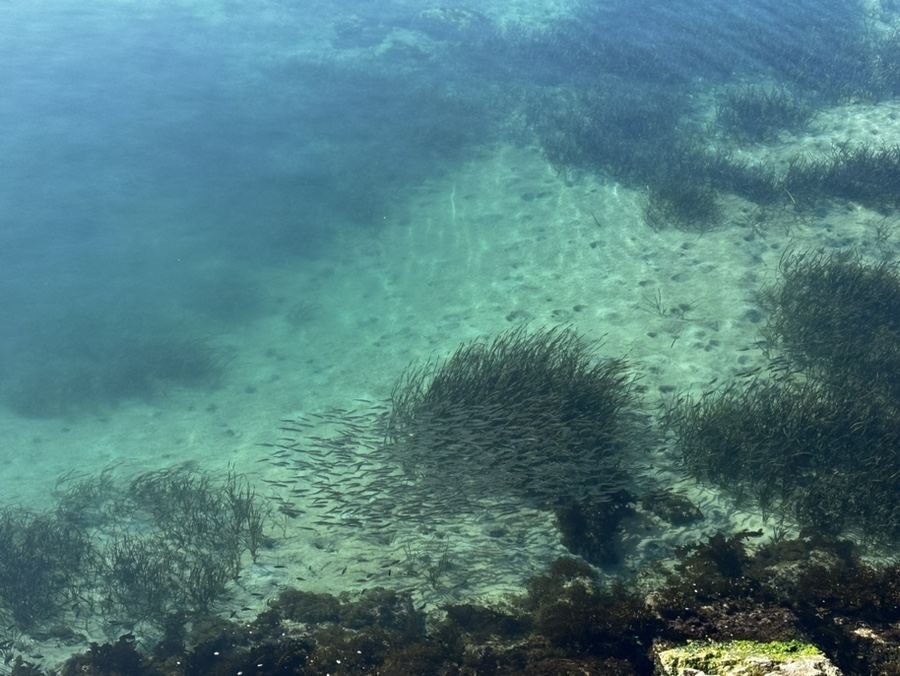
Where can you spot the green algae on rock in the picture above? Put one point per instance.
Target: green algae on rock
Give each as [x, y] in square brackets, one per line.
[747, 658]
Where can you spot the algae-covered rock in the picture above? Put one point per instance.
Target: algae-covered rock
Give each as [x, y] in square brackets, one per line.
[744, 658]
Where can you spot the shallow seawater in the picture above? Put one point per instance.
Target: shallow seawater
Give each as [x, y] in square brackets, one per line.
[239, 242]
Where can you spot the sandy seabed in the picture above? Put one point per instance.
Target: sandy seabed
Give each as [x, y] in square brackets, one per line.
[502, 240]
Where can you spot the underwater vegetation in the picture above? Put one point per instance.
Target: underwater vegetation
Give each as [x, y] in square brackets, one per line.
[688, 205]
[616, 127]
[533, 414]
[805, 592]
[637, 136]
[597, 99]
[40, 560]
[159, 545]
[817, 455]
[643, 141]
[815, 438]
[886, 69]
[838, 318]
[608, 106]
[753, 113]
[863, 173]
[643, 136]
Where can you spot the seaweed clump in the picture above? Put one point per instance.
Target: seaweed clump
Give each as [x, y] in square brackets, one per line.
[816, 455]
[815, 437]
[163, 545]
[685, 203]
[863, 173]
[41, 559]
[838, 319]
[755, 113]
[529, 414]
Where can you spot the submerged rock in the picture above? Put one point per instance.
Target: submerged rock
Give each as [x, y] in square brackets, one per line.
[744, 658]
